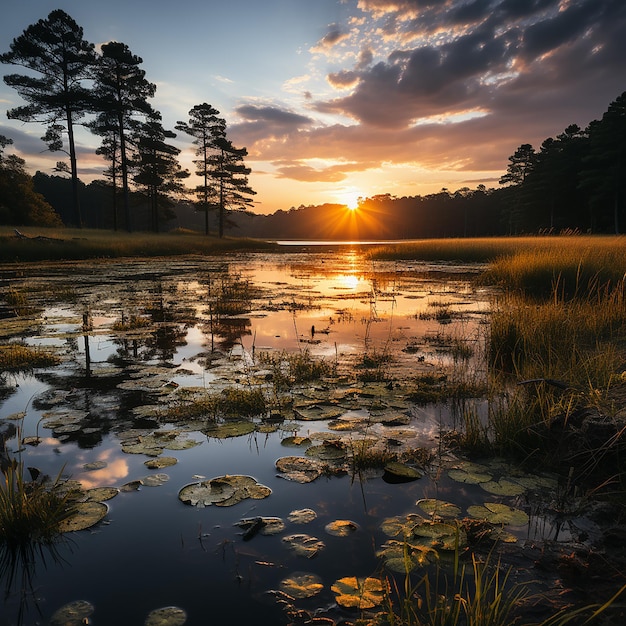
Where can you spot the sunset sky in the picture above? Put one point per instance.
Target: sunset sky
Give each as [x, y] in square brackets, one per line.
[339, 99]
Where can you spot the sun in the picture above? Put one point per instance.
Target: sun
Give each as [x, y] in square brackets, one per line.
[351, 198]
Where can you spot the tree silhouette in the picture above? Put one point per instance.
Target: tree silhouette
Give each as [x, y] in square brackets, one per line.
[206, 128]
[158, 170]
[55, 49]
[121, 93]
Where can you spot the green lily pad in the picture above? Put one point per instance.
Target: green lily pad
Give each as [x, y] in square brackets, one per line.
[161, 462]
[301, 585]
[438, 535]
[439, 508]
[316, 413]
[341, 527]
[73, 614]
[503, 487]
[401, 525]
[101, 494]
[302, 516]
[402, 471]
[499, 514]
[167, 616]
[359, 593]
[470, 473]
[304, 545]
[206, 493]
[225, 490]
[229, 429]
[86, 514]
[328, 451]
[299, 469]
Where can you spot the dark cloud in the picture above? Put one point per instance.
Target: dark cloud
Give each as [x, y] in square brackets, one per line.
[273, 115]
[334, 35]
[511, 49]
[343, 79]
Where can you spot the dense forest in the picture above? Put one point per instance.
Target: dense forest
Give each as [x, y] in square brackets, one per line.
[575, 181]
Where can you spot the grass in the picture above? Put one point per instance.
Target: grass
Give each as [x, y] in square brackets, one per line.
[16, 357]
[54, 244]
[289, 369]
[30, 510]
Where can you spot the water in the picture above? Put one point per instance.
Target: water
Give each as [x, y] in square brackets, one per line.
[153, 551]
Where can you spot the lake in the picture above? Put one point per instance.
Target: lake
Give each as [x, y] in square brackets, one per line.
[140, 340]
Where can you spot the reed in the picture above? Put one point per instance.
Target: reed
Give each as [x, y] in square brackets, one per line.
[16, 357]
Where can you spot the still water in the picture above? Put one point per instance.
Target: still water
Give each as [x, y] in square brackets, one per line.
[206, 325]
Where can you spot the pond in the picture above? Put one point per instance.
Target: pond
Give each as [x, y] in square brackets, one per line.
[142, 342]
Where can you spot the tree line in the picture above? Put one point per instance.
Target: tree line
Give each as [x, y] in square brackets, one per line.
[70, 84]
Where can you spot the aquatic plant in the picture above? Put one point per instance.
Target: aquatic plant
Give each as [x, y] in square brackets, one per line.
[16, 357]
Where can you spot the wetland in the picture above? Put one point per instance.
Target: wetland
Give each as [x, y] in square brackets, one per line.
[270, 438]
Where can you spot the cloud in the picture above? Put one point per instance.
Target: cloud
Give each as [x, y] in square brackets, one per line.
[335, 35]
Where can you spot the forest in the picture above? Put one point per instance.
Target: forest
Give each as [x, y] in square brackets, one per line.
[574, 182]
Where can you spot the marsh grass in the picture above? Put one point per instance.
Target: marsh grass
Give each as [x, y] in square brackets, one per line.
[67, 244]
[31, 510]
[289, 369]
[232, 402]
[15, 357]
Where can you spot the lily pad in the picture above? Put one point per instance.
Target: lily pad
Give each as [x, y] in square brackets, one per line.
[86, 514]
[295, 442]
[402, 557]
[229, 429]
[301, 585]
[341, 528]
[161, 462]
[95, 465]
[304, 545]
[167, 616]
[302, 516]
[439, 508]
[439, 536]
[400, 525]
[503, 487]
[359, 593]
[262, 525]
[402, 472]
[299, 469]
[328, 451]
[101, 494]
[499, 514]
[155, 480]
[470, 473]
[225, 490]
[72, 614]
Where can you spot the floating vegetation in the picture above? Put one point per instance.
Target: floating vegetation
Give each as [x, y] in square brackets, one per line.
[341, 527]
[302, 516]
[225, 490]
[154, 480]
[403, 557]
[75, 613]
[470, 473]
[16, 357]
[101, 494]
[439, 508]
[359, 593]
[167, 616]
[503, 487]
[401, 472]
[299, 469]
[94, 466]
[301, 585]
[304, 545]
[261, 525]
[496, 513]
[229, 429]
[84, 515]
[161, 462]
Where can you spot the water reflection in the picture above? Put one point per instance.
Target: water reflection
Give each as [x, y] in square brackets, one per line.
[157, 332]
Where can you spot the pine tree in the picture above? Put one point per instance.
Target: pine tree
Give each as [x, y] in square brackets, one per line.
[55, 49]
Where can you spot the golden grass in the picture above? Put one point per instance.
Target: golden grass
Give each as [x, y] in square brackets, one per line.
[69, 244]
[16, 357]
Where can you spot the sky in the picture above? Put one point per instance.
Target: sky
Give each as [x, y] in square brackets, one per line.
[340, 99]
